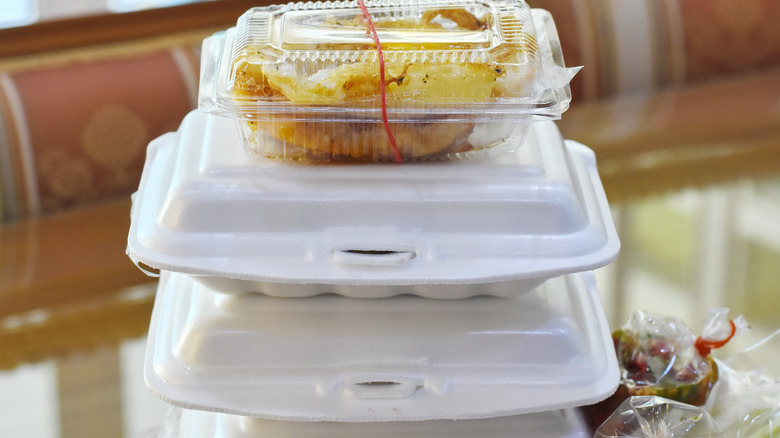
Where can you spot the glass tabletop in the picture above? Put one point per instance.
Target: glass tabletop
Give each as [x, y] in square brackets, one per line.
[682, 253]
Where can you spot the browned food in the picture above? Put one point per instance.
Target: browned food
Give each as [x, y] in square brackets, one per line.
[365, 141]
[407, 84]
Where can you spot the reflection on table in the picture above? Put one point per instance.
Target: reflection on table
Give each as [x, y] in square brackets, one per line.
[78, 360]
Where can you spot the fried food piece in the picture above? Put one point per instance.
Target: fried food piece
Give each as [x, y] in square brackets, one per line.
[461, 17]
[406, 83]
[366, 141]
[413, 84]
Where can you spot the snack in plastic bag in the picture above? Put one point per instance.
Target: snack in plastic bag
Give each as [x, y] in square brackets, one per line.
[661, 356]
[657, 417]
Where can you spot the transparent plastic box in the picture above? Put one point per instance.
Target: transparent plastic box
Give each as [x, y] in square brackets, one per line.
[405, 358]
[303, 79]
[500, 225]
[182, 423]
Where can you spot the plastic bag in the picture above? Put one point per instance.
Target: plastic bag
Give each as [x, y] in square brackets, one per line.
[661, 356]
[657, 417]
[746, 402]
[169, 428]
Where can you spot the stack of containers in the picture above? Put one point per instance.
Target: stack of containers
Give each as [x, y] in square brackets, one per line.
[382, 297]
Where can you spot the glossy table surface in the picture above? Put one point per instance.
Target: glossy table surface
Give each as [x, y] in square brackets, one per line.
[701, 229]
[72, 359]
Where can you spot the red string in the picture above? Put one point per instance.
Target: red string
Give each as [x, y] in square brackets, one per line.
[375, 37]
[704, 346]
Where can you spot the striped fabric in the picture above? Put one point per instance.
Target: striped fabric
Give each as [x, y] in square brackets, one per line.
[673, 93]
[635, 46]
[75, 131]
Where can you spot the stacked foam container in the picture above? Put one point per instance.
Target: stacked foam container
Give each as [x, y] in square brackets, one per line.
[383, 298]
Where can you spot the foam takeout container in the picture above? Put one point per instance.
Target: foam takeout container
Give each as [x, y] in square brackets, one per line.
[302, 80]
[405, 358]
[182, 423]
[242, 223]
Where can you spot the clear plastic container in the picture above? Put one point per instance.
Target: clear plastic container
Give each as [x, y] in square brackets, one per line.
[242, 223]
[182, 423]
[303, 79]
[406, 358]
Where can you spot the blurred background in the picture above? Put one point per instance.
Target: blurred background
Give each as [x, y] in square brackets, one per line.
[680, 99]
[16, 13]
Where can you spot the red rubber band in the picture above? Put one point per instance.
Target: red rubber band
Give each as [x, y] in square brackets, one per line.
[381, 56]
[704, 346]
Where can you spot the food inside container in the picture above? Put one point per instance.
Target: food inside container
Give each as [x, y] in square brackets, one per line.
[241, 223]
[405, 358]
[398, 81]
[185, 423]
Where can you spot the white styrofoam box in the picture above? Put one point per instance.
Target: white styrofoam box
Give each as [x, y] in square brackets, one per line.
[242, 223]
[183, 423]
[335, 358]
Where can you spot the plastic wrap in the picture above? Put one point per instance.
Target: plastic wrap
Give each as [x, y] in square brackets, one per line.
[746, 401]
[657, 417]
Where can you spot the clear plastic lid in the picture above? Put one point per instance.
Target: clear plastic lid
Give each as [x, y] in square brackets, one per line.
[205, 208]
[485, 54]
[310, 76]
[406, 358]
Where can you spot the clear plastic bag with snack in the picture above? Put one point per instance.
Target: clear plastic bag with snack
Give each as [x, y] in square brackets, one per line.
[662, 356]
